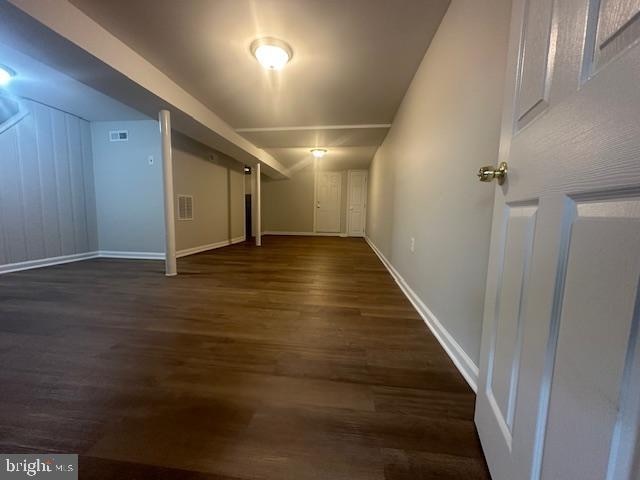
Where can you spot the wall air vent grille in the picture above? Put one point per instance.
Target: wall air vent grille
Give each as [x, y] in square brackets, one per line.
[185, 207]
[118, 136]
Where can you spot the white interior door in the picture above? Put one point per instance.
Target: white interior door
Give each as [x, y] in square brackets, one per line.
[356, 203]
[328, 199]
[559, 393]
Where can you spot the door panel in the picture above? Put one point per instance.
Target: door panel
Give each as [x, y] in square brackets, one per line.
[618, 26]
[559, 388]
[537, 55]
[503, 373]
[596, 326]
[356, 203]
[328, 202]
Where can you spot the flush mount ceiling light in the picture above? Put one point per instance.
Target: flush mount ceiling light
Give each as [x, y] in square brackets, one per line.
[271, 53]
[318, 152]
[6, 74]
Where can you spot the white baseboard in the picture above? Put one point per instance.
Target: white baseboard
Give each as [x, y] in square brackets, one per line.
[299, 234]
[46, 262]
[305, 234]
[462, 361]
[210, 246]
[131, 255]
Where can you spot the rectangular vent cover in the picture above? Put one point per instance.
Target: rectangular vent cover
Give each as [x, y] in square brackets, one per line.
[185, 207]
[118, 136]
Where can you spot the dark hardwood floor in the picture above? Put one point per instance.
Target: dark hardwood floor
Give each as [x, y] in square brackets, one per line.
[298, 360]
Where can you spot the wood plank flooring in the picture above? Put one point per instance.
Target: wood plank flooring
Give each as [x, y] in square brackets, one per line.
[298, 360]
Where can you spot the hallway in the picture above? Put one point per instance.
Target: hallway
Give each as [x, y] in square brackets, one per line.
[301, 359]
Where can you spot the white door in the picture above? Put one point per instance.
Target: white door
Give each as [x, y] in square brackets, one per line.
[328, 201]
[559, 392]
[356, 202]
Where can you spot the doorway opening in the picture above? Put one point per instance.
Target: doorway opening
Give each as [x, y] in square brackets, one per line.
[247, 205]
[328, 202]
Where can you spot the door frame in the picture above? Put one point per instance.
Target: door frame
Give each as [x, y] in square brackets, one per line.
[316, 171]
[366, 199]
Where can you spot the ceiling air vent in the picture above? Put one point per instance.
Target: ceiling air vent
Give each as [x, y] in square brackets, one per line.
[118, 136]
[185, 207]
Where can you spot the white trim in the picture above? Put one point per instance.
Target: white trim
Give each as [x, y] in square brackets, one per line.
[314, 127]
[275, 232]
[46, 262]
[462, 361]
[77, 257]
[211, 246]
[305, 234]
[131, 255]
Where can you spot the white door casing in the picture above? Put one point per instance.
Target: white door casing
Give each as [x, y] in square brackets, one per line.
[328, 201]
[356, 202]
[559, 393]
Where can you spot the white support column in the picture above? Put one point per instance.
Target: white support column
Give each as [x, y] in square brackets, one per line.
[244, 204]
[167, 174]
[258, 208]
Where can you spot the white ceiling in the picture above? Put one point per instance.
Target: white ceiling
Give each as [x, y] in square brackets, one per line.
[352, 63]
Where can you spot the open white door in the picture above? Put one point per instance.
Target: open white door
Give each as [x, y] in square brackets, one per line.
[559, 393]
[356, 203]
[329, 185]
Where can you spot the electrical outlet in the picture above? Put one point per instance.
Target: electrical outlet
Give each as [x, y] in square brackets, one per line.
[413, 245]
[150, 159]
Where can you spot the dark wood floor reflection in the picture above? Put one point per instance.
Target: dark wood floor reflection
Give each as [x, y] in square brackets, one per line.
[298, 360]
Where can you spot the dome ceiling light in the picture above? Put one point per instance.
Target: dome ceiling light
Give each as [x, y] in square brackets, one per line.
[271, 53]
[6, 74]
[318, 152]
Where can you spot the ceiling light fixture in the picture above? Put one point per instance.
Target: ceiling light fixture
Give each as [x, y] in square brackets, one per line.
[6, 74]
[271, 53]
[318, 152]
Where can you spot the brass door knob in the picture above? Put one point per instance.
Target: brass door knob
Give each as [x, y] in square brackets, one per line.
[488, 173]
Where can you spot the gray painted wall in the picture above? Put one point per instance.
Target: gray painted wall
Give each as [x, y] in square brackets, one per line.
[287, 204]
[66, 189]
[216, 183]
[129, 191]
[422, 181]
[46, 187]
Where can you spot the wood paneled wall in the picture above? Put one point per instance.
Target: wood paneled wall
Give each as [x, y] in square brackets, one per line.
[47, 198]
